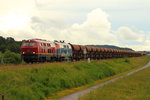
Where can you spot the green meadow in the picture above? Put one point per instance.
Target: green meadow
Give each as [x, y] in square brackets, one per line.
[134, 87]
[38, 81]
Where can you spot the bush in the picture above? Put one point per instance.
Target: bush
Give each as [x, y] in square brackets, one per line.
[127, 60]
[11, 58]
[1, 58]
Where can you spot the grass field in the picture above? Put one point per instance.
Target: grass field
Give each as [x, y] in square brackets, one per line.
[134, 87]
[38, 81]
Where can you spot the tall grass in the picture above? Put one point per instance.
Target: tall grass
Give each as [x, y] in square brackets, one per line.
[134, 87]
[37, 81]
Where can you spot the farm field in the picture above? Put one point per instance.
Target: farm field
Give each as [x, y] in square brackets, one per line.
[38, 81]
[134, 87]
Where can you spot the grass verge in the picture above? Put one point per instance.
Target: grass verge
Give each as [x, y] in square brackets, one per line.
[38, 81]
[134, 87]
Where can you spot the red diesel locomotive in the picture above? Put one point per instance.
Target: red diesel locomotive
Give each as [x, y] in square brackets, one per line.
[38, 50]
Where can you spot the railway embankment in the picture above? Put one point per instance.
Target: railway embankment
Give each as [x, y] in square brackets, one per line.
[38, 81]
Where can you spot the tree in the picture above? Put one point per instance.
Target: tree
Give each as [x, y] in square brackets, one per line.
[14, 47]
[9, 44]
[10, 40]
[2, 48]
[2, 40]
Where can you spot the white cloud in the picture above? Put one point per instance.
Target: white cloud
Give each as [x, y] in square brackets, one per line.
[94, 30]
[140, 47]
[127, 34]
[133, 38]
[17, 7]
[15, 14]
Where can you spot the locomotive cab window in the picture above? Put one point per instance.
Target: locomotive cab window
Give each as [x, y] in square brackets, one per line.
[48, 45]
[44, 44]
[29, 44]
[26, 44]
[64, 46]
[32, 43]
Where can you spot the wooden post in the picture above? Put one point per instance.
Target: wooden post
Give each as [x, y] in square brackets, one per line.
[84, 52]
[2, 96]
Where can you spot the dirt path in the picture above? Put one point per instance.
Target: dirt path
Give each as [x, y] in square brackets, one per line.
[76, 95]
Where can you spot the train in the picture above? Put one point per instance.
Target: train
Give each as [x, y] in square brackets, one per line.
[39, 50]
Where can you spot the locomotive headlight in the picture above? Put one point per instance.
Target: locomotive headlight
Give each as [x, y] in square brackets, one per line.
[22, 52]
[33, 52]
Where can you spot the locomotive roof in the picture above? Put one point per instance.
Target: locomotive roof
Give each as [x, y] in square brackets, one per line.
[39, 40]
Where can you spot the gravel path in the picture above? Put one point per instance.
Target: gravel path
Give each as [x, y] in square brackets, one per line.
[76, 95]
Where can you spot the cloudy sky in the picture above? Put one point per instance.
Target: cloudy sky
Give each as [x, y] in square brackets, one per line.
[123, 23]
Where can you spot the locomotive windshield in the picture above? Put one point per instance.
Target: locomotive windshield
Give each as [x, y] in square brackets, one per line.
[29, 44]
[32, 43]
[26, 44]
